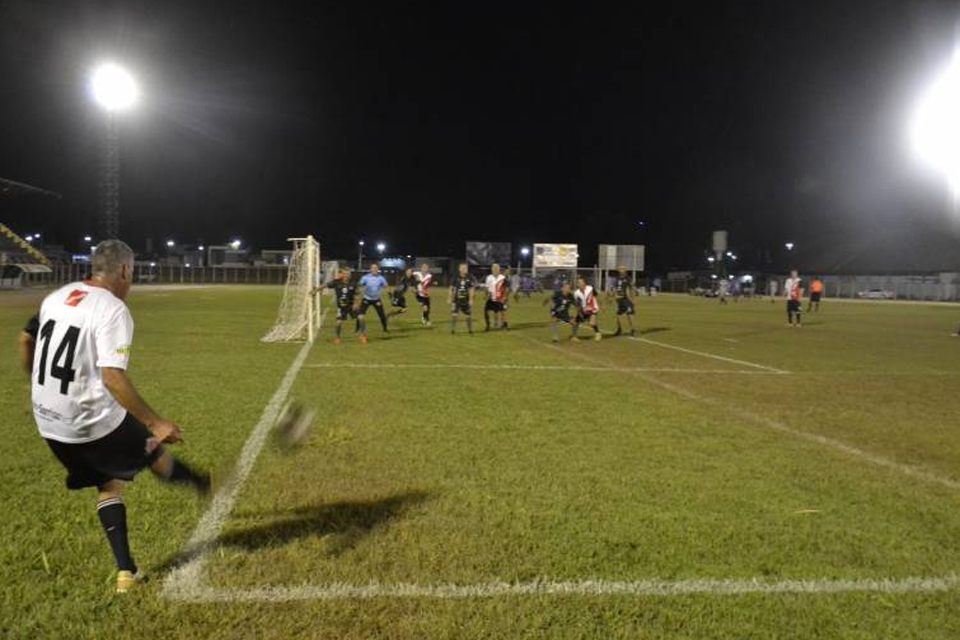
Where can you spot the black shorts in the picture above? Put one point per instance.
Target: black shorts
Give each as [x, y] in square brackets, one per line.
[584, 316]
[493, 305]
[562, 317]
[119, 455]
[424, 301]
[344, 313]
[793, 306]
[461, 307]
[815, 296]
[624, 306]
[399, 301]
[366, 304]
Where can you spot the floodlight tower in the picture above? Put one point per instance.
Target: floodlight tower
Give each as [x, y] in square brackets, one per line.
[114, 90]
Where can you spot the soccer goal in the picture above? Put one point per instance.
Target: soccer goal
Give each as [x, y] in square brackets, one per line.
[299, 315]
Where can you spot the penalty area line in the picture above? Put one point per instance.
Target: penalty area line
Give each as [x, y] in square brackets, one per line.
[185, 579]
[704, 354]
[529, 367]
[585, 588]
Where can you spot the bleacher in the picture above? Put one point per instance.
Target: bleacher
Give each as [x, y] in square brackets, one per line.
[19, 258]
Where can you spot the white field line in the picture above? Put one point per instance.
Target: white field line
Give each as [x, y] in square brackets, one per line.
[771, 423]
[525, 367]
[704, 354]
[186, 578]
[649, 588]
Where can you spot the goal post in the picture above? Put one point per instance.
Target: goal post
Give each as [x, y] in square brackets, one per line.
[299, 315]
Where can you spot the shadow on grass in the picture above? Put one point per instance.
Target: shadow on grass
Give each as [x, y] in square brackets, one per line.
[349, 521]
[650, 330]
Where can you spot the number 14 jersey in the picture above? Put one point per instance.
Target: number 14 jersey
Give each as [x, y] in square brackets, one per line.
[82, 329]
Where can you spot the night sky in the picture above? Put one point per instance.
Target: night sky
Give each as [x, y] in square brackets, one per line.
[428, 124]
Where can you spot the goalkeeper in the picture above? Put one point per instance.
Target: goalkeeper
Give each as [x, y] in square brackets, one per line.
[344, 294]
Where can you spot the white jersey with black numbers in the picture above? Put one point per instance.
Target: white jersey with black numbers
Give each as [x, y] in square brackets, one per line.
[587, 299]
[83, 328]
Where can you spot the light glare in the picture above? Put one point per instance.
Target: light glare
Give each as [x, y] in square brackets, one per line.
[113, 88]
[935, 128]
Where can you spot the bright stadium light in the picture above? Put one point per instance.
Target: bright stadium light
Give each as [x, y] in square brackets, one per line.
[170, 243]
[381, 247]
[525, 251]
[29, 238]
[113, 88]
[200, 248]
[935, 127]
[235, 245]
[361, 243]
[789, 246]
[87, 239]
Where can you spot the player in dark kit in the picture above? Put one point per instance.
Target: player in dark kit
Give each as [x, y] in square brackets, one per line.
[344, 294]
[624, 303]
[461, 298]
[563, 301]
[398, 298]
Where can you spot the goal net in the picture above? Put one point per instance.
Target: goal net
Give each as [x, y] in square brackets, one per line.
[299, 315]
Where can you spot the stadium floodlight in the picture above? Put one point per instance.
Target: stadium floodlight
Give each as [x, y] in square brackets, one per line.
[87, 239]
[525, 251]
[711, 259]
[935, 128]
[361, 243]
[187, 265]
[789, 246]
[381, 247]
[113, 88]
[28, 238]
[170, 243]
[200, 248]
[36, 235]
[235, 245]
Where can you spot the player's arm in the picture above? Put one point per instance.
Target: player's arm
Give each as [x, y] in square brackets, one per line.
[120, 386]
[28, 342]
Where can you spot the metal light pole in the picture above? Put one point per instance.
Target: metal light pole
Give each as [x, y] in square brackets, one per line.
[360, 256]
[114, 90]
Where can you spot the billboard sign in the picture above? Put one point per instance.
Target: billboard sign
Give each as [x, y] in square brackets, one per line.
[629, 255]
[555, 256]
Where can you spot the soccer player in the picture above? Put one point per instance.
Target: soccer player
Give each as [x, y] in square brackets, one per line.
[398, 298]
[344, 293]
[587, 306]
[561, 302]
[816, 291]
[794, 292]
[87, 409]
[496, 285]
[373, 284]
[624, 302]
[424, 280]
[461, 298]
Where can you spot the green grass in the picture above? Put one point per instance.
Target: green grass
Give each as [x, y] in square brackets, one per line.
[472, 476]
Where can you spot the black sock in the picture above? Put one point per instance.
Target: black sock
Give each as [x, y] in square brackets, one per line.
[113, 517]
[596, 329]
[180, 473]
[426, 315]
[338, 329]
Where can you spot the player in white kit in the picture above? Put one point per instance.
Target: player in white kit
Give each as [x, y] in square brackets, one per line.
[588, 306]
[86, 408]
[496, 285]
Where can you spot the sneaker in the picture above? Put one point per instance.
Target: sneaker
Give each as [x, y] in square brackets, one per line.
[617, 332]
[128, 580]
[363, 339]
[337, 341]
[574, 339]
[598, 336]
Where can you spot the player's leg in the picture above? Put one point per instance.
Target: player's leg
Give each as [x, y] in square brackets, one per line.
[555, 328]
[112, 513]
[378, 305]
[503, 314]
[169, 469]
[620, 312]
[469, 313]
[362, 321]
[426, 312]
[486, 314]
[453, 319]
[595, 325]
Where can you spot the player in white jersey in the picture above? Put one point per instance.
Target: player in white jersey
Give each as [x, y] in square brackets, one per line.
[793, 292]
[588, 306]
[424, 281]
[496, 285]
[76, 351]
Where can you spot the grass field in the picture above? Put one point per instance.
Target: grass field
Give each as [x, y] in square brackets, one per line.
[722, 476]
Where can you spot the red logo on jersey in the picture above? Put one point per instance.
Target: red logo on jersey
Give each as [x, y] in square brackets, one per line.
[76, 297]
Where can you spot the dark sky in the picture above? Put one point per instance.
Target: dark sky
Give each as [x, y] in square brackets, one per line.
[427, 124]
